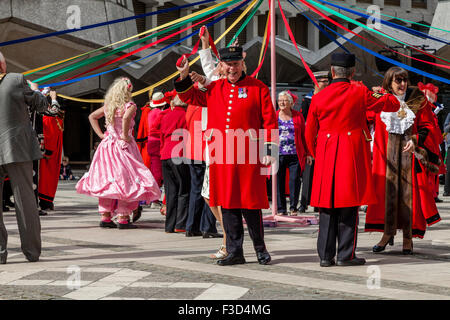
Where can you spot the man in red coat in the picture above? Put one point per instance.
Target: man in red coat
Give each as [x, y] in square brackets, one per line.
[238, 107]
[50, 164]
[338, 138]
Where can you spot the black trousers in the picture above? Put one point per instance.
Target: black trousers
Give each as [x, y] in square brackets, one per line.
[447, 174]
[340, 224]
[200, 217]
[307, 179]
[288, 162]
[177, 183]
[234, 229]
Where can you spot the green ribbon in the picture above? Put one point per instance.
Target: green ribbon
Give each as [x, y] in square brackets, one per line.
[244, 24]
[359, 23]
[88, 61]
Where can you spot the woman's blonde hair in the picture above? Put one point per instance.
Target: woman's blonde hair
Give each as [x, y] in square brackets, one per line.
[118, 94]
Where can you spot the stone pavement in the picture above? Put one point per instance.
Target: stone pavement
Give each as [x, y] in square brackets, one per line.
[82, 261]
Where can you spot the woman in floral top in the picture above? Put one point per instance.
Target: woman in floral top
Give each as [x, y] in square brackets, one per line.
[293, 151]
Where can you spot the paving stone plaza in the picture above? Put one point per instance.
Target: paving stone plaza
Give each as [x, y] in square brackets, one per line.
[84, 262]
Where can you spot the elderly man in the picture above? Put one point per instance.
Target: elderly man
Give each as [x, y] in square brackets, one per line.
[338, 137]
[18, 148]
[238, 107]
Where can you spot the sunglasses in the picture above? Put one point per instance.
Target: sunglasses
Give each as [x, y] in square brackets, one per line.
[400, 80]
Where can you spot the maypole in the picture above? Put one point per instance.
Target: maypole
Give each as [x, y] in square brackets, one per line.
[273, 87]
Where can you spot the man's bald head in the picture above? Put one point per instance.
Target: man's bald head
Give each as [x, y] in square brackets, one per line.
[2, 63]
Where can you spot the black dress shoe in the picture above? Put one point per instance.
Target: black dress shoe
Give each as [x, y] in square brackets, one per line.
[302, 209]
[3, 256]
[376, 248]
[263, 257]
[127, 226]
[353, 262]
[109, 224]
[5, 208]
[193, 233]
[9, 203]
[42, 213]
[231, 259]
[327, 263]
[437, 200]
[212, 235]
[446, 194]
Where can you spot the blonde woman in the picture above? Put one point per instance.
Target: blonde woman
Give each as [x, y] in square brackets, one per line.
[117, 175]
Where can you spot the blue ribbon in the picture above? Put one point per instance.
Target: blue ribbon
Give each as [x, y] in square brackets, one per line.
[332, 38]
[57, 33]
[388, 23]
[56, 84]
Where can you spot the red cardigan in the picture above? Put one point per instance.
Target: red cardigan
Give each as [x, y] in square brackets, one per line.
[300, 142]
[168, 123]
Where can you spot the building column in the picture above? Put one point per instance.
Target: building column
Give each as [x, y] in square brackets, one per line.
[406, 5]
[188, 42]
[252, 28]
[151, 21]
[281, 28]
[379, 3]
[313, 37]
[219, 28]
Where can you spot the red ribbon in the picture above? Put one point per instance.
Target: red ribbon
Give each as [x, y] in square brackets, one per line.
[145, 47]
[291, 35]
[429, 86]
[384, 47]
[195, 48]
[265, 50]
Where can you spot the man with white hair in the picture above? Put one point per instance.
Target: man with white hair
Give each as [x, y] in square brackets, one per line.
[18, 148]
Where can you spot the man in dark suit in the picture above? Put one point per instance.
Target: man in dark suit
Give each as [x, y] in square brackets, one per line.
[18, 148]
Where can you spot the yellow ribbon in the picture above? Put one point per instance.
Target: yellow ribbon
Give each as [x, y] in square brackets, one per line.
[132, 37]
[173, 75]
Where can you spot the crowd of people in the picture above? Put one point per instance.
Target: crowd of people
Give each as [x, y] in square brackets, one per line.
[206, 150]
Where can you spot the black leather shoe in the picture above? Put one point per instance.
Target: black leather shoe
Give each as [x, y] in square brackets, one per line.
[327, 263]
[212, 235]
[263, 257]
[42, 213]
[9, 203]
[446, 194]
[302, 209]
[127, 226]
[109, 224]
[193, 233]
[353, 262]
[3, 257]
[5, 208]
[231, 259]
[376, 248]
[437, 200]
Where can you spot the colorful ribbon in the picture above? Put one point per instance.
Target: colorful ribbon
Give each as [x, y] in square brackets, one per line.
[96, 25]
[291, 35]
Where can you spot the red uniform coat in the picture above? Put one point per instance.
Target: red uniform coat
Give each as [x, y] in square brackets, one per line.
[50, 165]
[142, 135]
[338, 138]
[195, 144]
[237, 178]
[424, 209]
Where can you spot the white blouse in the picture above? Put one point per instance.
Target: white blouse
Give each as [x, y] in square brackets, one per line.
[396, 124]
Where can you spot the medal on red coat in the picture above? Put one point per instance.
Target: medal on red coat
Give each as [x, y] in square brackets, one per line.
[242, 93]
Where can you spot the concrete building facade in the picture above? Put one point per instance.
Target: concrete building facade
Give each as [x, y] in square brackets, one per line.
[22, 18]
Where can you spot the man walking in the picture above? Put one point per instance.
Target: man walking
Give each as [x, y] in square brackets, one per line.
[18, 148]
[338, 138]
[238, 107]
